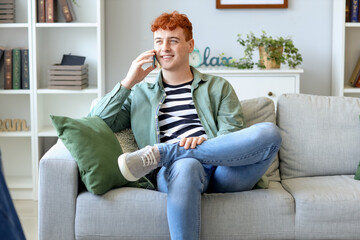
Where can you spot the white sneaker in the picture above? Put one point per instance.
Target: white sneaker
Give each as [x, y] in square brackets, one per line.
[137, 164]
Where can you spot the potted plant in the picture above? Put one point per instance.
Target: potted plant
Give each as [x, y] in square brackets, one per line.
[272, 52]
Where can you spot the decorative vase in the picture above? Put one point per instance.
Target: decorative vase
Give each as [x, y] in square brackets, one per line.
[267, 61]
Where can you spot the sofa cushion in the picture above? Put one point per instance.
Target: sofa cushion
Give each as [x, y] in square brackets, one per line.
[327, 207]
[320, 135]
[95, 149]
[129, 213]
[262, 110]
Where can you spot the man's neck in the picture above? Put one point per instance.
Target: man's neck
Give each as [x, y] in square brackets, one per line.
[177, 77]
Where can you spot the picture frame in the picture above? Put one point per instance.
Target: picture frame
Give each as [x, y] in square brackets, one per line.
[223, 4]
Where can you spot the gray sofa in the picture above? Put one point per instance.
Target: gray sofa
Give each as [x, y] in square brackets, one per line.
[314, 197]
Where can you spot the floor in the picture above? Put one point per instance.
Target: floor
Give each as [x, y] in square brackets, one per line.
[27, 211]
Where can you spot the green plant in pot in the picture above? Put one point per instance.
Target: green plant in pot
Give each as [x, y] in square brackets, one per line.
[272, 52]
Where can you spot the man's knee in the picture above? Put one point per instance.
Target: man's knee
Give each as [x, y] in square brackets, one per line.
[187, 166]
[186, 171]
[270, 132]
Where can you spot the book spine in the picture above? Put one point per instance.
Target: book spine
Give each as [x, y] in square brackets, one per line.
[16, 69]
[2, 50]
[41, 11]
[25, 69]
[71, 9]
[51, 11]
[65, 10]
[8, 69]
[354, 11]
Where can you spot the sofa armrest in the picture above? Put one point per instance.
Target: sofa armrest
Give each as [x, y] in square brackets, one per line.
[58, 190]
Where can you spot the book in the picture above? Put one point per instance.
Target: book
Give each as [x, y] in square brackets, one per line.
[65, 73]
[347, 11]
[25, 69]
[356, 70]
[354, 10]
[41, 11]
[79, 87]
[51, 11]
[8, 69]
[357, 80]
[68, 67]
[66, 10]
[79, 77]
[2, 50]
[65, 83]
[16, 68]
[71, 9]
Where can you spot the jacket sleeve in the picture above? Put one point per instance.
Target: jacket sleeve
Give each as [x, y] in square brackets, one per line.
[230, 116]
[114, 108]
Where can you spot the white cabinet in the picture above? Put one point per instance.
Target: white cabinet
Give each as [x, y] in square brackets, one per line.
[252, 83]
[345, 51]
[47, 42]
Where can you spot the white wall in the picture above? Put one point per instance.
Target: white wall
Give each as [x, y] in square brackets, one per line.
[309, 22]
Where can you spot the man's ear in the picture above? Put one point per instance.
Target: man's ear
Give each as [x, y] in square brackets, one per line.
[192, 45]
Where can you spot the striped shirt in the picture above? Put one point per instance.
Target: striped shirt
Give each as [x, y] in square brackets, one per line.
[177, 116]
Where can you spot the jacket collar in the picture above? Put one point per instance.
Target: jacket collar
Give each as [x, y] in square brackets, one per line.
[198, 77]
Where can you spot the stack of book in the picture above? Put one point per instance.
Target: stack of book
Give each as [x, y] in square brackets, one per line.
[68, 77]
[355, 76]
[7, 11]
[16, 68]
[47, 10]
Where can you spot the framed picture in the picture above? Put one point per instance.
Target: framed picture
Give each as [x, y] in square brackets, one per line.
[251, 3]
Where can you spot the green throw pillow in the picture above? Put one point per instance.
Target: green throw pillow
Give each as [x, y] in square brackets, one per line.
[357, 174]
[96, 149]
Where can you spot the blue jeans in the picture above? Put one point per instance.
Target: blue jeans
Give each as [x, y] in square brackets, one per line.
[10, 226]
[229, 163]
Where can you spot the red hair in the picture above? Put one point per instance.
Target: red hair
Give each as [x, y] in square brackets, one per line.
[171, 21]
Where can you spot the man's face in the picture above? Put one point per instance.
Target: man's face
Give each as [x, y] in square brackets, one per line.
[172, 50]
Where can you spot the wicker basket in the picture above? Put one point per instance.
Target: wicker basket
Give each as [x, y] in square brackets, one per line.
[267, 61]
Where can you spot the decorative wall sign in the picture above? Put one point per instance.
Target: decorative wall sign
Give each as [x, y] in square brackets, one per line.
[251, 3]
[214, 61]
[12, 125]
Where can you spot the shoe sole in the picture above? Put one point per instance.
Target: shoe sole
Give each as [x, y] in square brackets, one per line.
[124, 168]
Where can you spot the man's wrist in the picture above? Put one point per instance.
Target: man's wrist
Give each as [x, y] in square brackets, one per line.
[126, 84]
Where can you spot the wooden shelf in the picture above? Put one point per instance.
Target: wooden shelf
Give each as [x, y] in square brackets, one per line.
[14, 25]
[15, 134]
[66, 25]
[88, 90]
[10, 91]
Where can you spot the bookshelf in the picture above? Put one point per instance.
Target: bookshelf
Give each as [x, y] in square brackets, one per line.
[47, 42]
[345, 51]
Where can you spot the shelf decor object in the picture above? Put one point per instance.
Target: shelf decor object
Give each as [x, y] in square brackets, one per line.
[68, 77]
[251, 3]
[272, 51]
[7, 11]
[12, 125]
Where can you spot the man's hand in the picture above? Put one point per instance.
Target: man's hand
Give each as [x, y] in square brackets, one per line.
[136, 73]
[191, 142]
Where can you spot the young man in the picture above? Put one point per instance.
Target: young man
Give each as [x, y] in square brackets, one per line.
[189, 124]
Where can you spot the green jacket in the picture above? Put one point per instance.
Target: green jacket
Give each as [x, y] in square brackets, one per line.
[214, 98]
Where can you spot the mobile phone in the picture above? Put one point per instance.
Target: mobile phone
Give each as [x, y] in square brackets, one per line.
[154, 61]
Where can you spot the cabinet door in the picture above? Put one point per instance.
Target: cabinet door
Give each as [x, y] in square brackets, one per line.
[256, 86]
